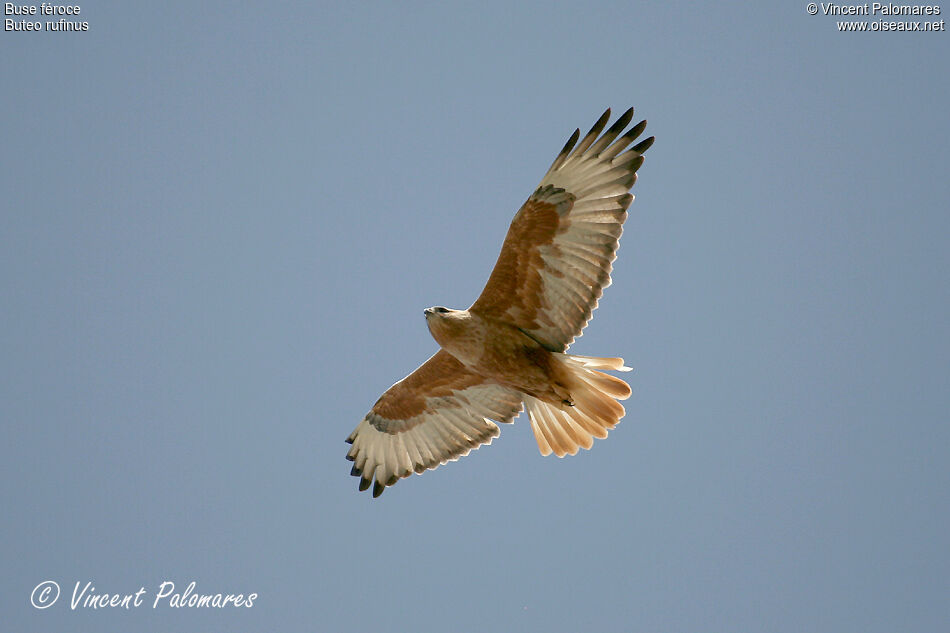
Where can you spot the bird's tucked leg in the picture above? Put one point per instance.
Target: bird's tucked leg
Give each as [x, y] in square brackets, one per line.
[563, 394]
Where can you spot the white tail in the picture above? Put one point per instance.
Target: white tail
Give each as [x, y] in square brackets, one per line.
[564, 429]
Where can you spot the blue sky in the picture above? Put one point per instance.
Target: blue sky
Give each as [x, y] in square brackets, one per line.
[221, 224]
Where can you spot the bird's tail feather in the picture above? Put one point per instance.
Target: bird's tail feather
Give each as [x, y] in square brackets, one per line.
[564, 429]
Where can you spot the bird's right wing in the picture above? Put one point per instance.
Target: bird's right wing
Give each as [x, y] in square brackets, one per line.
[438, 413]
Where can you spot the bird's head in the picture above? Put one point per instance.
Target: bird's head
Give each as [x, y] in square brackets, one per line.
[437, 311]
[444, 322]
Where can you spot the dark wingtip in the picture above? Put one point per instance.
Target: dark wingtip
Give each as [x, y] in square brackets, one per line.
[570, 142]
[644, 145]
[601, 122]
[621, 123]
[637, 130]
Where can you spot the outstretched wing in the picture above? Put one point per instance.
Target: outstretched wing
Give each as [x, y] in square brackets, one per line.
[556, 259]
[438, 413]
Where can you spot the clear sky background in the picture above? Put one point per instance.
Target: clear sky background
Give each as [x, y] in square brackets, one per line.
[221, 222]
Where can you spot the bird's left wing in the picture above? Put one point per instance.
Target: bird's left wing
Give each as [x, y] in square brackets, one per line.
[556, 259]
[438, 413]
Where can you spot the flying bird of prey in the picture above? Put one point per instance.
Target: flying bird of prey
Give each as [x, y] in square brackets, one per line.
[508, 349]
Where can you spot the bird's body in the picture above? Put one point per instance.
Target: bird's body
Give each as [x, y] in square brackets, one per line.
[500, 352]
[507, 350]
